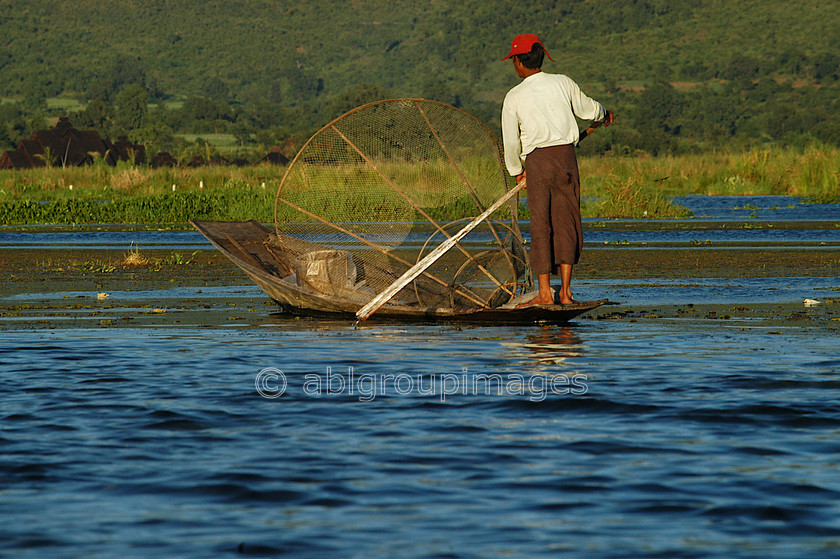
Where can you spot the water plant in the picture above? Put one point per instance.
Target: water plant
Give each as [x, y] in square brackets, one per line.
[625, 198]
[134, 258]
[623, 187]
[177, 259]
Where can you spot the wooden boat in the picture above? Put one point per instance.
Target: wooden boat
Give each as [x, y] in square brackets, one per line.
[256, 250]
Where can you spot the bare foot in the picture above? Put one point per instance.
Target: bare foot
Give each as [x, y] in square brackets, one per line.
[564, 297]
[535, 301]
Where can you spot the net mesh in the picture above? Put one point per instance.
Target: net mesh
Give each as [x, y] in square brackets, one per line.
[380, 187]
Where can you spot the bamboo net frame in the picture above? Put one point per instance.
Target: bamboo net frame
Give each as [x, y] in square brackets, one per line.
[384, 179]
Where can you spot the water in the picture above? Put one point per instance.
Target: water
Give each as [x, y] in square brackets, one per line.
[739, 219]
[732, 291]
[656, 428]
[757, 207]
[672, 439]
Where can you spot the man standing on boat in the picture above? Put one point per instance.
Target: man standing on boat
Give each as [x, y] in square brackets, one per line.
[539, 129]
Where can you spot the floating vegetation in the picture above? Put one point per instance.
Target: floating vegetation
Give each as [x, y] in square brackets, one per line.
[173, 207]
[625, 187]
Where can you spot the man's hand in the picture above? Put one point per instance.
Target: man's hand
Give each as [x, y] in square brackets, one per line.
[608, 119]
[520, 177]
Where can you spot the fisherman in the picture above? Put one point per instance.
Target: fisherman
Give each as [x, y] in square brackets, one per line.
[539, 129]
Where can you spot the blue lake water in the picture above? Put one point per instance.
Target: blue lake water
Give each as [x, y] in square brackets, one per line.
[757, 207]
[697, 436]
[741, 211]
[655, 439]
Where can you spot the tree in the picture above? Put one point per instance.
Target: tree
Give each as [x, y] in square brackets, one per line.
[155, 136]
[34, 94]
[303, 83]
[202, 108]
[260, 114]
[438, 89]
[13, 126]
[242, 132]
[784, 121]
[123, 71]
[659, 108]
[791, 62]
[712, 115]
[216, 89]
[742, 67]
[826, 66]
[352, 98]
[131, 107]
[98, 114]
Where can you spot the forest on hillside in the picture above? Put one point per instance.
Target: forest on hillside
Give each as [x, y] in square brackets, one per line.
[682, 76]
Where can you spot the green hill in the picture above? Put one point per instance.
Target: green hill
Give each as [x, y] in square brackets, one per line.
[680, 75]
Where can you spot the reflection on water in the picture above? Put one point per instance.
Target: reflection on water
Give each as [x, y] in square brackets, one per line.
[550, 345]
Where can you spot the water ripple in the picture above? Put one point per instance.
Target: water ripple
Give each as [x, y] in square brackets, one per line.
[689, 441]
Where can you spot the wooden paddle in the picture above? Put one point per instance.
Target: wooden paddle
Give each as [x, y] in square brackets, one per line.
[429, 259]
[591, 128]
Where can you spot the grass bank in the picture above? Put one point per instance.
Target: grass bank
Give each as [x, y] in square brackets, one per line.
[632, 187]
[129, 194]
[812, 173]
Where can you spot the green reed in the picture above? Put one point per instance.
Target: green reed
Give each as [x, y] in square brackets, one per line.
[624, 187]
[812, 173]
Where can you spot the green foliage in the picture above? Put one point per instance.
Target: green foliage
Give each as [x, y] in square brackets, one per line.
[98, 115]
[810, 172]
[123, 70]
[626, 187]
[629, 198]
[131, 108]
[13, 125]
[680, 76]
[356, 97]
[174, 207]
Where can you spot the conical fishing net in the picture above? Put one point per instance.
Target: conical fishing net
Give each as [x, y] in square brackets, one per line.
[380, 187]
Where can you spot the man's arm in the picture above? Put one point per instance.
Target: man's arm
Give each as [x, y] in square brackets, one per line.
[584, 107]
[511, 141]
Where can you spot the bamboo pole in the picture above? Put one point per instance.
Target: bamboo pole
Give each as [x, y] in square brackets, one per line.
[430, 258]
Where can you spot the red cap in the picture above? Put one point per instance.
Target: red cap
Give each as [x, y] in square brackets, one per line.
[523, 43]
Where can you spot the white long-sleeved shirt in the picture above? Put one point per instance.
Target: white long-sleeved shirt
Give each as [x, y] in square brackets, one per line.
[540, 112]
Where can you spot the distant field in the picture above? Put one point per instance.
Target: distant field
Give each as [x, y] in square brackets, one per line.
[171, 105]
[70, 104]
[53, 103]
[218, 141]
[64, 104]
